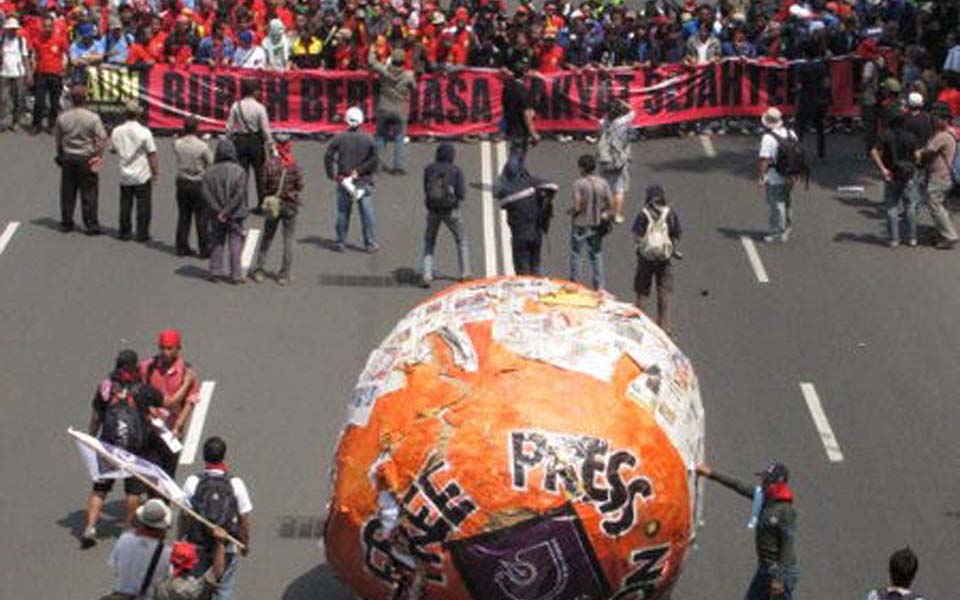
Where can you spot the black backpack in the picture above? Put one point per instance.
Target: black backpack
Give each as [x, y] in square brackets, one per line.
[123, 424]
[791, 159]
[440, 193]
[215, 501]
[885, 594]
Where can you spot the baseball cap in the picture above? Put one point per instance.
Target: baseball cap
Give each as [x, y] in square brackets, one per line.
[775, 472]
[183, 557]
[169, 338]
[915, 100]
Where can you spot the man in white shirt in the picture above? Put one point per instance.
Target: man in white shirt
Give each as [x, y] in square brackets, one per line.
[133, 144]
[248, 55]
[776, 185]
[16, 69]
[204, 488]
[140, 558]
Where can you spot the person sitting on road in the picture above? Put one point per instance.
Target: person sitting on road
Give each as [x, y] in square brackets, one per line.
[903, 569]
[122, 407]
[284, 181]
[774, 520]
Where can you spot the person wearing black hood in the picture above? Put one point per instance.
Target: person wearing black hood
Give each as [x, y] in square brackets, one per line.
[122, 408]
[656, 231]
[529, 205]
[774, 520]
[225, 194]
[444, 190]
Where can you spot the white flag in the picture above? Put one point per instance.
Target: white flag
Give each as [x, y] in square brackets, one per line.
[106, 461]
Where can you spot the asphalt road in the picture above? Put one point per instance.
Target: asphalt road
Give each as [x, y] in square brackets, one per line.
[873, 329]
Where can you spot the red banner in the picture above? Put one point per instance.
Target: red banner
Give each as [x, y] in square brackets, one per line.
[468, 102]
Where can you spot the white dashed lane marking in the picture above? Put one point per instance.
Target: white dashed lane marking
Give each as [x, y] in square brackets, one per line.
[754, 257]
[7, 234]
[830, 443]
[199, 415]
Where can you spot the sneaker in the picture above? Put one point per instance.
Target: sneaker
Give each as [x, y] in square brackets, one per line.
[912, 243]
[89, 537]
[425, 282]
[238, 280]
[945, 244]
[283, 280]
[339, 247]
[590, 139]
[372, 248]
[66, 227]
[399, 171]
[893, 243]
[213, 278]
[93, 231]
[564, 138]
[772, 239]
[124, 237]
[186, 252]
[259, 276]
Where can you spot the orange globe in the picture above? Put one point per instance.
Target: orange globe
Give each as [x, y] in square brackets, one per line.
[518, 439]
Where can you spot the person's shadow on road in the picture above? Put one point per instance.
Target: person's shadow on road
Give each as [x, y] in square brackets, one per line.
[110, 525]
[318, 582]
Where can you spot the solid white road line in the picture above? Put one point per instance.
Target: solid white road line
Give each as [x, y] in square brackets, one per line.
[754, 259]
[829, 440]
[506, 250]
[7, 234]
[199, 415]
[708, 145]
[249, 250]
[486, 196]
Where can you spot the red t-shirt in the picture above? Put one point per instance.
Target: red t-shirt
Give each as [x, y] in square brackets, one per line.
[156, 44]
[551, 59]
[139, 54]
[951, 97]
[50, 51]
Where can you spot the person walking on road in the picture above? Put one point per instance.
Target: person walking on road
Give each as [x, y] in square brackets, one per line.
[895, 156]
[591, 216]
[529, 205]
[193, 157]
[613, 153]
[16, 74]
[221, 497]
[225, 195]
[140, 559]
[656, 231]
[183, 584]
[813, 95]
[903, 569]
[120, 414]
[938, 159]
[397, 83]
[283, 180]
[777, 185]
[351, 160]
[248, 127]
[179, 386]
[519, 116]
[774, 521]
[139, 168]
[80, 139]
[444, 190]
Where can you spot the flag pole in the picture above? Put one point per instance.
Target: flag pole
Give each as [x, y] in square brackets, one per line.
[125, 466]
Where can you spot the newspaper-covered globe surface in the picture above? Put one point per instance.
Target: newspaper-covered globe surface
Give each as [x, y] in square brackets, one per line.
[518, 439]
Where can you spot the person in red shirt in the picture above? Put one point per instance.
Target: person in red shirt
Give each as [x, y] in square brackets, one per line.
[277, 10]
[158, 40]
[51, 55]
[549, 55]
[140, 53]
[180, 44]
[178, 382]
[950, 94]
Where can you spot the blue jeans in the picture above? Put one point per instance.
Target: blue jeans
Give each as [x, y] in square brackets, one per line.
[760, 585]
[228, 583]
[342, 217]
[582, 236]
[454, 223]
[392, 128]
[781, 211]
[906, 194]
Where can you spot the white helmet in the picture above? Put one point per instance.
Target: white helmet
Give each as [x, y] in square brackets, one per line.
[354, 116]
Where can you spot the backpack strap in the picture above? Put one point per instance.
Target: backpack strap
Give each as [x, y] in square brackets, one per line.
[151, 569]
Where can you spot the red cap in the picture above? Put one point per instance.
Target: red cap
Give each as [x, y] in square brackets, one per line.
[462, 13]
[168, 338]
[183, 557]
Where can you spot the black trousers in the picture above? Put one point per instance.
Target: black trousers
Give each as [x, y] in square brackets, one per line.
[251, 155]
[815, 116]
[46, 98]
[871, 125]
[144, 195]
[191, 208]
[77, 178]
[526, 256]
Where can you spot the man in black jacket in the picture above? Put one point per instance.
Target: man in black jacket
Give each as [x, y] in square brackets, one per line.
[526, 200]
[351, 160]
[444, 190]
[902, 179]
[774, 520]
